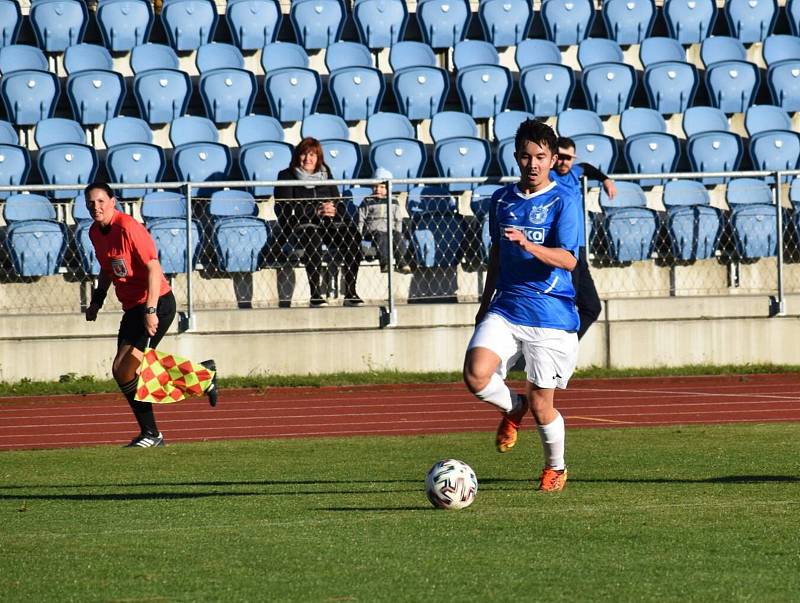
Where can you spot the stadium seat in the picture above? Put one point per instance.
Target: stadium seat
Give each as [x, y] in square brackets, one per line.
[751, 20]
[258, 128]
[761, 118]
[253, 23]
[480, 204]
[753, 218]
[353, 198]
[468, 53]
[657, 50]
[671, 86]
[262, 160]
[153, 56]
[598, 150]
[420, 91]
[67, 163]
[134, 163]
[15, 165]
[717, 49]
[609, 87]
[95, 95]
[411, 54]
[85, 57]
[637, 120]
[452, 124]
[592, 51]
[694, 226]
[122, 130]
[732, 85]
[8, 135]
[292, 92]
[238, 235]
[505, 157]
[124, 24]
[343, 157]
[317, 23]
[505, 22]
[704, 119]
[58, 24]
[19, 57]
[783, 80]
[794, 199]
[10, 22]
[775, 150]
[534, 51]
[381, 126]
[652, 153]
[714, 151]
[436, 227]
[189, 23]
[380, 23]
[283, 54]
[579, 121]
[792, 8]
[162, 94]
[217, 55]
[690, 21]
[462, 157]
[443, 23]
[35, 241]
[629, 21]
[406, 156]
[357, 92]
[324, 125]
[227, 89]
[780, 47]
[347, 54]
[29, 95]
[507, 123]
[483, 85]
[56, 130]
[627, 224]
[547, 88]
[164, 214]
[567, 22]
[198, 156]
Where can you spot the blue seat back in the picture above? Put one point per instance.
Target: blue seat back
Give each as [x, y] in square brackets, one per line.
[629, 194]
[652, 153]
[15, 166]
[443, 23]
[761, 118]
[784, 84]
[218, 56]
[420, 91]
[381, 126]
[411, 54]
[228, 94]
[484, 90]
[567, 22]
[8, 135]
[55, 130]
[153, 56]
[451, 124]
[637, 120]
[704, 119]
[722, 48]
[792, 9]
[480, 202]
[163, 204]
[317, 23]
[169, 235]
[258, 128]
[29, 96]
[430, 199]
[775, 150]
[162, 94]
[579, 121]
[506, 159]
[58, 24]
[19, 207]
[690, 21]
[122, 129]
[283, 54]
[437, 240]
[751, 21]
[357, 92]
[592, 51]
[627, 21]
[505, 22]
[780, 47]
[474, 52]
[95, 96]
[124, 24]
[88, 257]
[694, 231]
[755, 233]
[746, 191]
[19, 57]
[227, 203]
[347, 54]
[343, 157]
[202, 162]
[732, 85]
[292, 93]
[462, 157]
[609, 87]
[534, 51]
[239, 243]
[67, 163]
[10, 22]
[671, 86]
[135, 162]
[191, 128]
[353, 198]
[685, 192]
[324, 125]
[407, 156]
[714, 151]
[85, 57]
[380, 23]
[254, 23]
[631, 233]
[36, 247]
[657, 49]
[263, 161]
[507, 123]
[189, 23]
[598, 150]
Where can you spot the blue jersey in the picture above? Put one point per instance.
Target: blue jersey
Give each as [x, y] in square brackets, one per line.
[572, 179]
[529, 292]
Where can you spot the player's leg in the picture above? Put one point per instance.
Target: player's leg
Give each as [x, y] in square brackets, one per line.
[586, 298]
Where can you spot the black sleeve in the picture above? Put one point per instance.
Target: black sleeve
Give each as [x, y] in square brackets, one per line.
[592, 172]
[283, 210]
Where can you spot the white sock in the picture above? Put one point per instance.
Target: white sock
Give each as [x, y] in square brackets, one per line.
[553, 436]
[497, 394]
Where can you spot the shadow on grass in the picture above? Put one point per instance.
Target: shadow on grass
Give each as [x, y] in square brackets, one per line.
[727, 479]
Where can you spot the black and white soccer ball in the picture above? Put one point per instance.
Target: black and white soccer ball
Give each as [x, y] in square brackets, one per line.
[451, 484]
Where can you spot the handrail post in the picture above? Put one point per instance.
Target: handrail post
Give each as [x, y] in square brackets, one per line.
[190, 322]
[778, 305]
[391, 319]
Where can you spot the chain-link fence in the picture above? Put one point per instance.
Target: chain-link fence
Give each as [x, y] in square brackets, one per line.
[683, 235]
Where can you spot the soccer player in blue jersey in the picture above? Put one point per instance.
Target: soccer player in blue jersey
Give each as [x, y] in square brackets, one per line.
[528, 304]
[568, 173]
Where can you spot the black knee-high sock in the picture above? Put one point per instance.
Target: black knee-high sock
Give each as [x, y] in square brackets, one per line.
[143, 411]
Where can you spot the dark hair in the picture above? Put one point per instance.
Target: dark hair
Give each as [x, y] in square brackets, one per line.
[309, 144]
[533, 130]
[566, 142]
[103, 186]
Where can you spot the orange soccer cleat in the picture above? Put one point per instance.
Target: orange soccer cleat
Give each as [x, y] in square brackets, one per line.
[552, 480]
[509, 426]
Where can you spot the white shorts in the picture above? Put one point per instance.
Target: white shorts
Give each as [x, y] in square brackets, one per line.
[550, 354]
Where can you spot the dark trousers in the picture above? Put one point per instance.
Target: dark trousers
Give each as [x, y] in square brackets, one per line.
[586, 297]
[381, 240]
[342, 240]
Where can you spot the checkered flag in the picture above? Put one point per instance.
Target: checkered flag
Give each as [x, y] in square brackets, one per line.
[166, 378]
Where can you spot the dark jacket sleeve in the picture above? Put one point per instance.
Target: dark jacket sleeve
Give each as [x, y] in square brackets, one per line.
[592, 173]
[284, 209]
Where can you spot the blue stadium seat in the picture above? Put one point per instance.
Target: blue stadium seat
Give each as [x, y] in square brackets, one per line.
[283, 54]
[228, 93]
[637, 120]
[253, 23]
[704, 119]
[8, 135]
[751, 20]
[534, 51]
[381, 126]
[437, 229]
[793, 16]
[218, 56]
[598, 150]
[690, 21]
[505, 22]
[671, 86]
[761, 118]
[133, 163]
[507, 123]
[238, 235]
[84, 57]
[162, 94]
[420, 91]
[89, 263]
[462, 157]
[20, 57]
[189, 23]
[343, 157]
[783, 80]
[35, 241]
[609, 87]
[694, 226]
[67, 163]
[780, 47]
[122, 130]
[162, 205]
[10, 22]
[198, 156]
[29, 95]
[258, 128]
[480, 204]
[15, 165]
[732, 85]
[153, 56]
[794, 199]
[95, 95]
[506, 159]
[627, 223]
[468, 53]
[406, 156]
[411, 54]
[567, 22]
[629, 21]
[324, 125]
[58, 24]
[262, 161]
[380, 23]
[452, 124]
[347, 54]
[657, 50]
[317, 23]
[714, 151]
[753, 218]
[579, 121]
[292, 92]
[353, 198]
[443, 23]
[547, 88]
[56, 130]
[483, 85]
[357, 92]
[124, 24]
[722, 48]
[652, 153]
[169, 235]
[592, 51]
[775, 150]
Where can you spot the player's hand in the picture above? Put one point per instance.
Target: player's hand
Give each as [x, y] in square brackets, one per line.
[151, 324]
[91, 312]
[515, 236]
[610, 188]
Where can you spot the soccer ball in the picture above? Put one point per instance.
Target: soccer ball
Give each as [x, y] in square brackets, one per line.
[451, 484]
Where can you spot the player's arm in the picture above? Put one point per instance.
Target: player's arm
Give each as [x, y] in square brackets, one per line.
[491, 280]
[154, 276]
[593, 173]
[98, 296]
[552, 256]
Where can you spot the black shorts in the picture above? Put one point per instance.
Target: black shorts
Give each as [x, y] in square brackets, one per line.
[131, 327]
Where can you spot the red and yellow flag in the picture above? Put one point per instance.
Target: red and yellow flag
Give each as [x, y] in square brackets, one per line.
[165, 378]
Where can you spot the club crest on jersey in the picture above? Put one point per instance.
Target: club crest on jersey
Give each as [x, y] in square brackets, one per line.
[538, 215]
[118, 267]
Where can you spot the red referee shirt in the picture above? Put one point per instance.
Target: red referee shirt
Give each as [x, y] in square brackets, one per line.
[123, 253]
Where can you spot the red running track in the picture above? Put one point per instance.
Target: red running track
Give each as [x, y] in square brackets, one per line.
[67, 421]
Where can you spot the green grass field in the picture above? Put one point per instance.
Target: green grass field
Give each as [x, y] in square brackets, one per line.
[707, 513]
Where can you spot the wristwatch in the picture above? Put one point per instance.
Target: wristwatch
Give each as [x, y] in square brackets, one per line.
[150, 310]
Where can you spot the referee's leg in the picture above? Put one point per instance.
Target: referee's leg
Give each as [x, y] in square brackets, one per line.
[586, 298]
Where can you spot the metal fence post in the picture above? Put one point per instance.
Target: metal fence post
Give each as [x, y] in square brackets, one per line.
[392, 312]
[778, 303]
[189, 293]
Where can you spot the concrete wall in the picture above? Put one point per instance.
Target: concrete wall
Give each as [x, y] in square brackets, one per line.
[429, 337]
